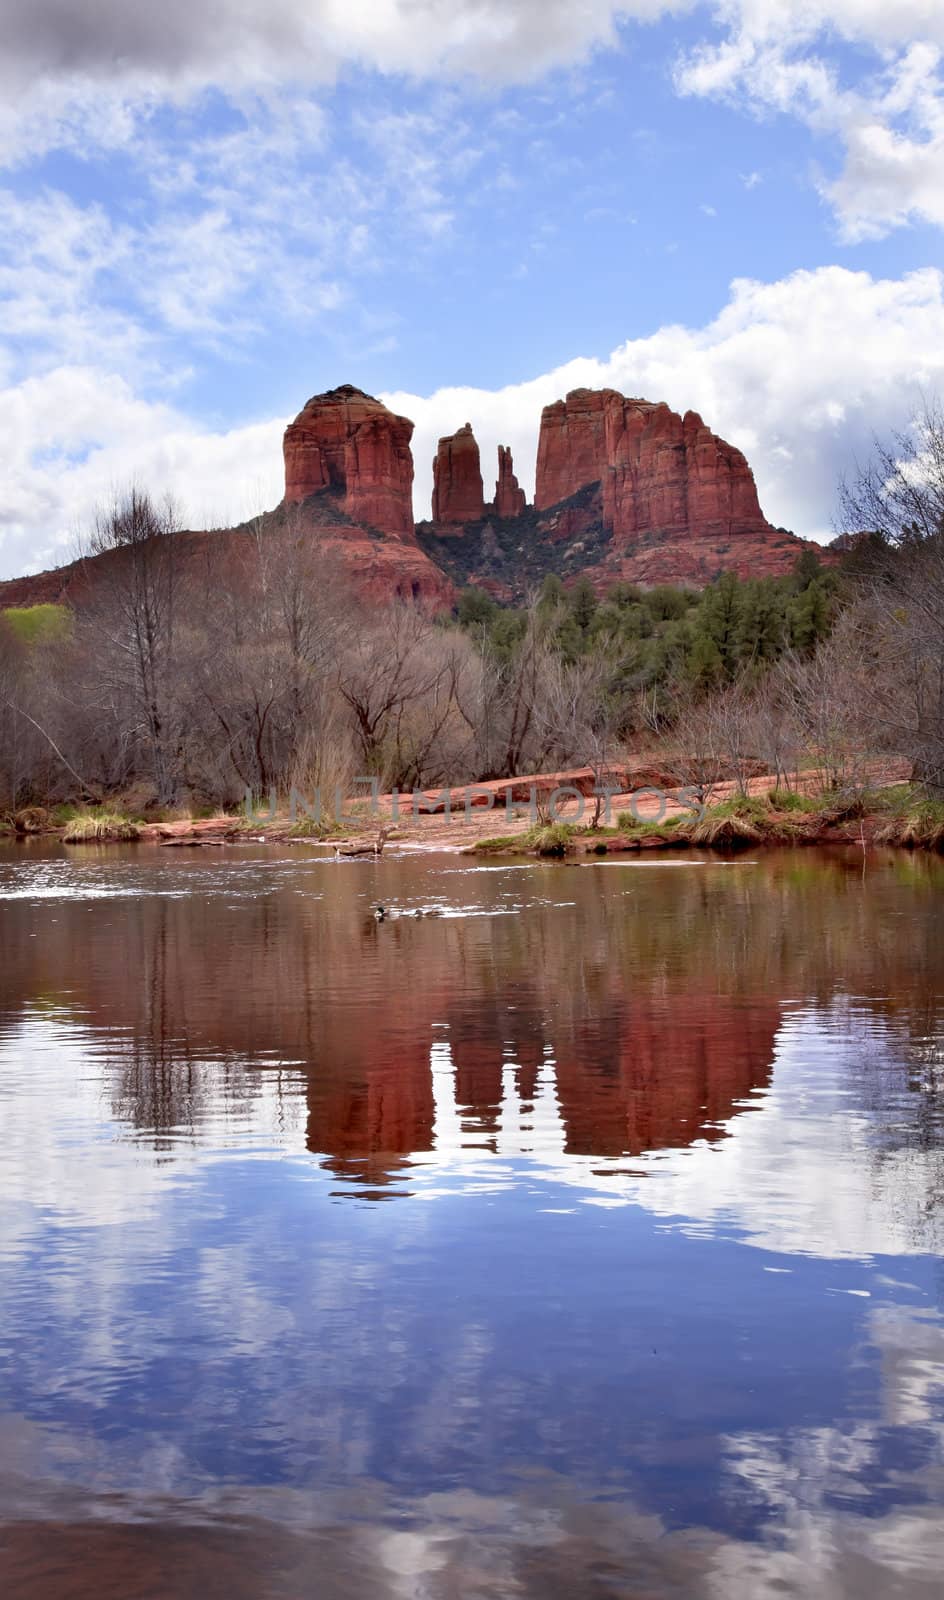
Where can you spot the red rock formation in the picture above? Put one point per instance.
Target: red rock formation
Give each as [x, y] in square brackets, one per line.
[571, 445]
[348, 442]
[670, 474]
[458, 494]
[662, 500]
[660, 473]
[509, 496]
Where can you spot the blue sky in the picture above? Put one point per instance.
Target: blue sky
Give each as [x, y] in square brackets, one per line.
[467, 208]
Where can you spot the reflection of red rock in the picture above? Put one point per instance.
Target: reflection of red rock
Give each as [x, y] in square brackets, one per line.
[458, 495]
[665, 1073]
[630, 1069]
[372, 1116]
[509, 496]
[347, 441]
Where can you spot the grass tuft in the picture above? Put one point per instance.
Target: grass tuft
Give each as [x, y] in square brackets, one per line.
[100, 828]
[309, 828]
[916, 822]
[627, 823]
[549, 838]
[789, 800]
[726, 832]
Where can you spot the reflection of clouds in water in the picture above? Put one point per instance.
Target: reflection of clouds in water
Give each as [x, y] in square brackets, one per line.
[78, 878]
[815, 1172]
[797, 1173]
[801, 1169]
[804, 1167]
[68, 1156]
[547, 1538]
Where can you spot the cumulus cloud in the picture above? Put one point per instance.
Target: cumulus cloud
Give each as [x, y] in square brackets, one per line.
[305, 40]
[800, 373]
[75, 434]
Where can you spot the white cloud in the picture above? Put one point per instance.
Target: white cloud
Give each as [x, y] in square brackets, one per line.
[76, 433]
[781, 56]
[800, 373]
[95, 81]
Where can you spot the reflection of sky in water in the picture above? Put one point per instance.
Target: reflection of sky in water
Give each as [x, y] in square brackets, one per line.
[716, 1368]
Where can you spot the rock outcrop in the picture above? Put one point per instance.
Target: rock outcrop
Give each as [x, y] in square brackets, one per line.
[458, 493]
[347, 442]
[626, 491]
[660, 473]
[509, 496]
[571, 445]
[671, 474]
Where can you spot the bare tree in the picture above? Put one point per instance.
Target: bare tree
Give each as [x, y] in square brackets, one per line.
[898, 496]
[774, 731]
[898, 500]
[399, 676]
[578, 718]
[831, 703]
[129, 623]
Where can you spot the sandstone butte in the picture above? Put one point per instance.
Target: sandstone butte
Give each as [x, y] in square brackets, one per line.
[660, 473]
[624, 490]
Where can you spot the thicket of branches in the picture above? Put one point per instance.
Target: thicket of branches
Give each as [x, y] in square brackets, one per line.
[188, 671]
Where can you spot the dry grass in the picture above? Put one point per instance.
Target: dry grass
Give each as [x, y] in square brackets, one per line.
[726, 831]
[916, 823]
[100, 828]
[32, 819]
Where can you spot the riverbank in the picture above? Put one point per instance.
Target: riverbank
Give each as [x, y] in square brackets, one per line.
[552, 815]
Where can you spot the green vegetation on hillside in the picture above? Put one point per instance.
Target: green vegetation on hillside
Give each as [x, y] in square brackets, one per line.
[666, 642]
[32, 625]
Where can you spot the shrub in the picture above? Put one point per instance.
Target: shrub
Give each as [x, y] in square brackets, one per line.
[917, 823]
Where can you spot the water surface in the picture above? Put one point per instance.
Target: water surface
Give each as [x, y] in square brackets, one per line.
[582, 1239]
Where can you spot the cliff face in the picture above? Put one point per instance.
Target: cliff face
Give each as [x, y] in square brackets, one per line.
[659, 472]
[349, 442]
[349, 473]
[571, 445]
